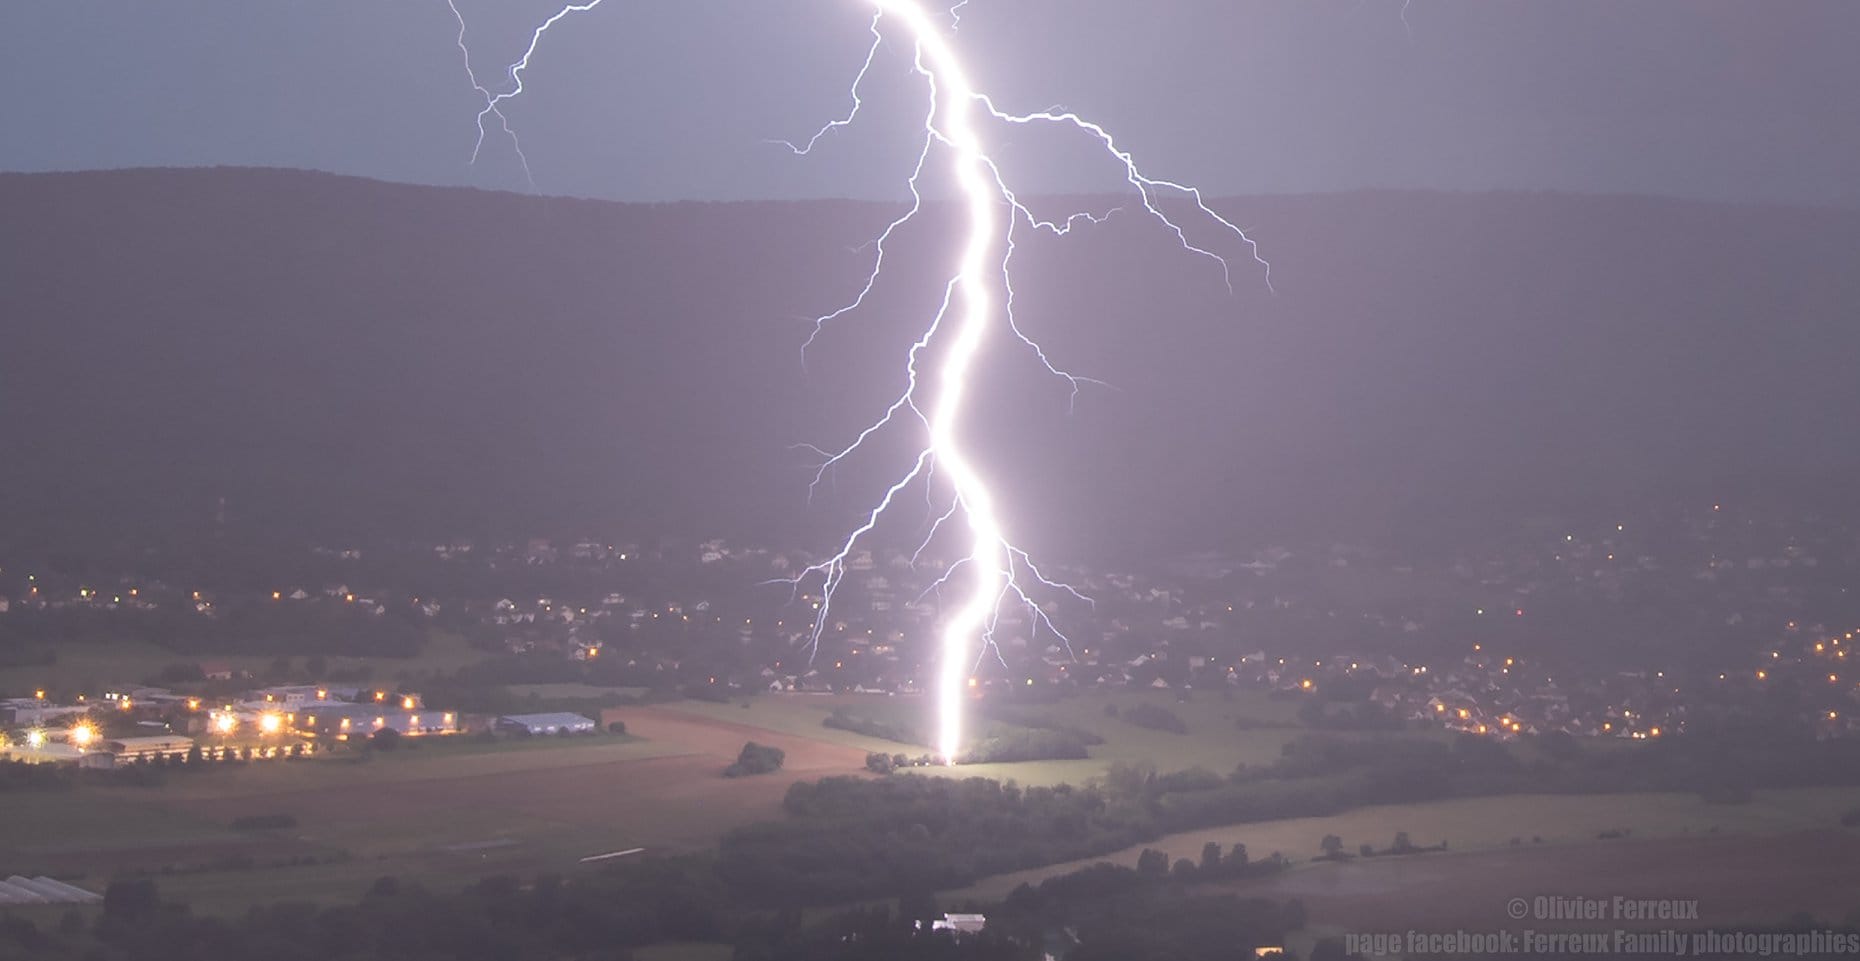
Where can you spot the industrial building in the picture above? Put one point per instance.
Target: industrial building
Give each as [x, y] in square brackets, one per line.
[136, 748]
[559, 723]
[43, 890]
[342, 720]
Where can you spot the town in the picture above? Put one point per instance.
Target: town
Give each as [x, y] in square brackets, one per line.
[1508, 638]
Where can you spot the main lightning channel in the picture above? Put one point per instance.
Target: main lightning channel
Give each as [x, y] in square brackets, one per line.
[953, 101]
[992, 568]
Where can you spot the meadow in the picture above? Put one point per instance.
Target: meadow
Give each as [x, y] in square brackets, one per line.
[445, 812]
[440, 811]
[1491, 823]
[1245, 727]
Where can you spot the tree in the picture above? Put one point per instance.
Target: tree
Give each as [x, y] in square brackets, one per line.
[129, 901]
[1332, 846]
[1129, 781]
[1236, 857]
[1152, 863]
[756, 759]
[1210, 857]
[1402, 845]
[1183, 870]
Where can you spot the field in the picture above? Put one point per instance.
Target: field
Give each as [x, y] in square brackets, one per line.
[446, 812]
[1489, 823]
[1736, 880]
[1214, 740]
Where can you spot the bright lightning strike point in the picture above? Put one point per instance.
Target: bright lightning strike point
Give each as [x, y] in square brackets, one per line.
[996, 574]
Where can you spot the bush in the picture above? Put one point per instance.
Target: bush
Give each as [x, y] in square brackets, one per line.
[1013, 745]
[843, 720]
[617, 727]
[1191, 779]
[756, 759]
[1155, 717]
[386, 739]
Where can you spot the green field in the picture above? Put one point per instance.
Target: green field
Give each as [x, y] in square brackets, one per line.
[1214, 740]
[1472, 824]
[447, 812]
[443, 811]
[552, 692]
[438, 811]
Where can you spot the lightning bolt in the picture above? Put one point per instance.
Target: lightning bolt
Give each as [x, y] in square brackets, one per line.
[990, 576]
[493, 102]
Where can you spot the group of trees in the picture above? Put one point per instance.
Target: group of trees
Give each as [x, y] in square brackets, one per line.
[148, 770]
[1349, 716]
[597, 917]
[878, 762]
[1014, 744]
[1153, 716]
[850, 837]
[842, 719]
[1332, 847]
[756, 759]
[1147, 912]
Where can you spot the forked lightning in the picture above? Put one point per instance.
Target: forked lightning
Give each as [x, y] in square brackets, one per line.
[990, 575]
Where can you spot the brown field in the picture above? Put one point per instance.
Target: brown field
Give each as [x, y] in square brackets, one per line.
[420, 813]
[673, 802]
[1735, 880]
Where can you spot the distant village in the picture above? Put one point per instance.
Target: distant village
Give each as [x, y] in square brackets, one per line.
[1632, 629]
[145, 724]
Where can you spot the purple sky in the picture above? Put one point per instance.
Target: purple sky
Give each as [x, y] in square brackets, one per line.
[664, 99]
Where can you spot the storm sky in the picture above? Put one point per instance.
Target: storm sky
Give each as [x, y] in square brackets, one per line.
[675, 99]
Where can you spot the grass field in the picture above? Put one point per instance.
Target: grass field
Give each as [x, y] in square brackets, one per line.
[550, 692]
[1484, 824]
[447, 811]
[1736, 880]
[1214, 740]
[444, 813]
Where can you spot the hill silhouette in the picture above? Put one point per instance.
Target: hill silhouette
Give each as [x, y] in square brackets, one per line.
[342, 356]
